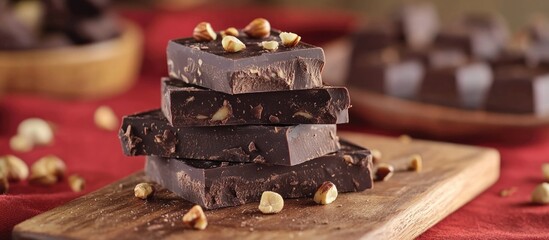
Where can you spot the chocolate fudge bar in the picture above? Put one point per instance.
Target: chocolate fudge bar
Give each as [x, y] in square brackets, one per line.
[187, 105]
[519, 89]
[150, 133]
[465, 86]
[223, 184]
[254, 69]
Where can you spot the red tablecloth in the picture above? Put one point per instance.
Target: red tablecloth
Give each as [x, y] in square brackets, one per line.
[96, 154]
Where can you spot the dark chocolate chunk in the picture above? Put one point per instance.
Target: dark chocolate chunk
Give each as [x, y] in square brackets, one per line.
[482, 35]
[281, 145]
[222, 184]
[87, 8]
[14, 35]
[254, 69]
[99, 28]
[464, 87]
[418, 24]
[187, 105]
[388, 72]
[374, 36]
[518, 89]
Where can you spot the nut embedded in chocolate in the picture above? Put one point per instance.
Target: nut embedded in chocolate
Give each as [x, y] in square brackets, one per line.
[289, 39]
[195, 218]
[270, 45]
[204, 32]
[229, 32]
[232, 44]
[258, 28]
[326, 193]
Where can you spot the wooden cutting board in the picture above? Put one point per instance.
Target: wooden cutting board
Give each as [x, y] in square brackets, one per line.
[401, 208]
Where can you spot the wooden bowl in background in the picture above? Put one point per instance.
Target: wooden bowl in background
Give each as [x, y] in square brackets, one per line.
[95, 70]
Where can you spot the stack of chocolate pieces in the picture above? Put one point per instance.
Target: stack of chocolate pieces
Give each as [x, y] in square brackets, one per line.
[469, 64]
[245, 111]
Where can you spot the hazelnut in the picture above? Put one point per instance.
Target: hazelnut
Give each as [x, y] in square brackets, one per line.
[204, 32]
[4, 186]
[14, 169]
[507, 192]
[223, 113]
[21, 143]
[271, 202]
[229, 32]
[348, 159]
[384, 172]
[143, 190]
[76, 183]
[45, 180]
[545, 171]
[232, 44]
[48, 167]
[105, 118]
[258, 28]
[37, 130]
[326, 193]
[270, 45]
[406, 139]
[540, 195]
[289, 39]
[303, 114]
[376, 155]
[195, 218]
[416, 163]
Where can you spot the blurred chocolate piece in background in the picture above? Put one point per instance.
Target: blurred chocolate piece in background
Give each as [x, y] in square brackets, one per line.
[94, 29]
[519, 89]
[483, 36]
[463, 87]
[14, 35]
[88, 8]
[418, 24]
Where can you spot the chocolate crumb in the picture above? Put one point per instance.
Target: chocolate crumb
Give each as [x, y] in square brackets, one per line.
[274, 119]
[257, 111]
[252, 147]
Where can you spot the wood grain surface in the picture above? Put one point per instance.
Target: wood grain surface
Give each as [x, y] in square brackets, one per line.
[441, 121]
[401, 208]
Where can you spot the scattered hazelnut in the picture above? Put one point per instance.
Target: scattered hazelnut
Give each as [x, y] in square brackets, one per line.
[406, 139]
[45, 180]
[195, 218]
[384, 172]
[232, 44]
[289, 39]
[4, 186]
[271, 202]
[258, 28]
[507, 192]
[545, 170]
[105, 118]
[21, 143]
[204, 32]
[270, 45]
[143, 190]
[540, 194]
[229, 32]
[14, 168]
[376, 155]
[48, 167]
[326, 193]
[76, 183]
[348, 159]
[416, 163]
[37, 130]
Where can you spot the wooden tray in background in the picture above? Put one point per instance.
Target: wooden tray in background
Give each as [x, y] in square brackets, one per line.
[440, 121]
[401, 208]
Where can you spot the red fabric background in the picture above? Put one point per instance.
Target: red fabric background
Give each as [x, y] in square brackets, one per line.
[96, 154]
